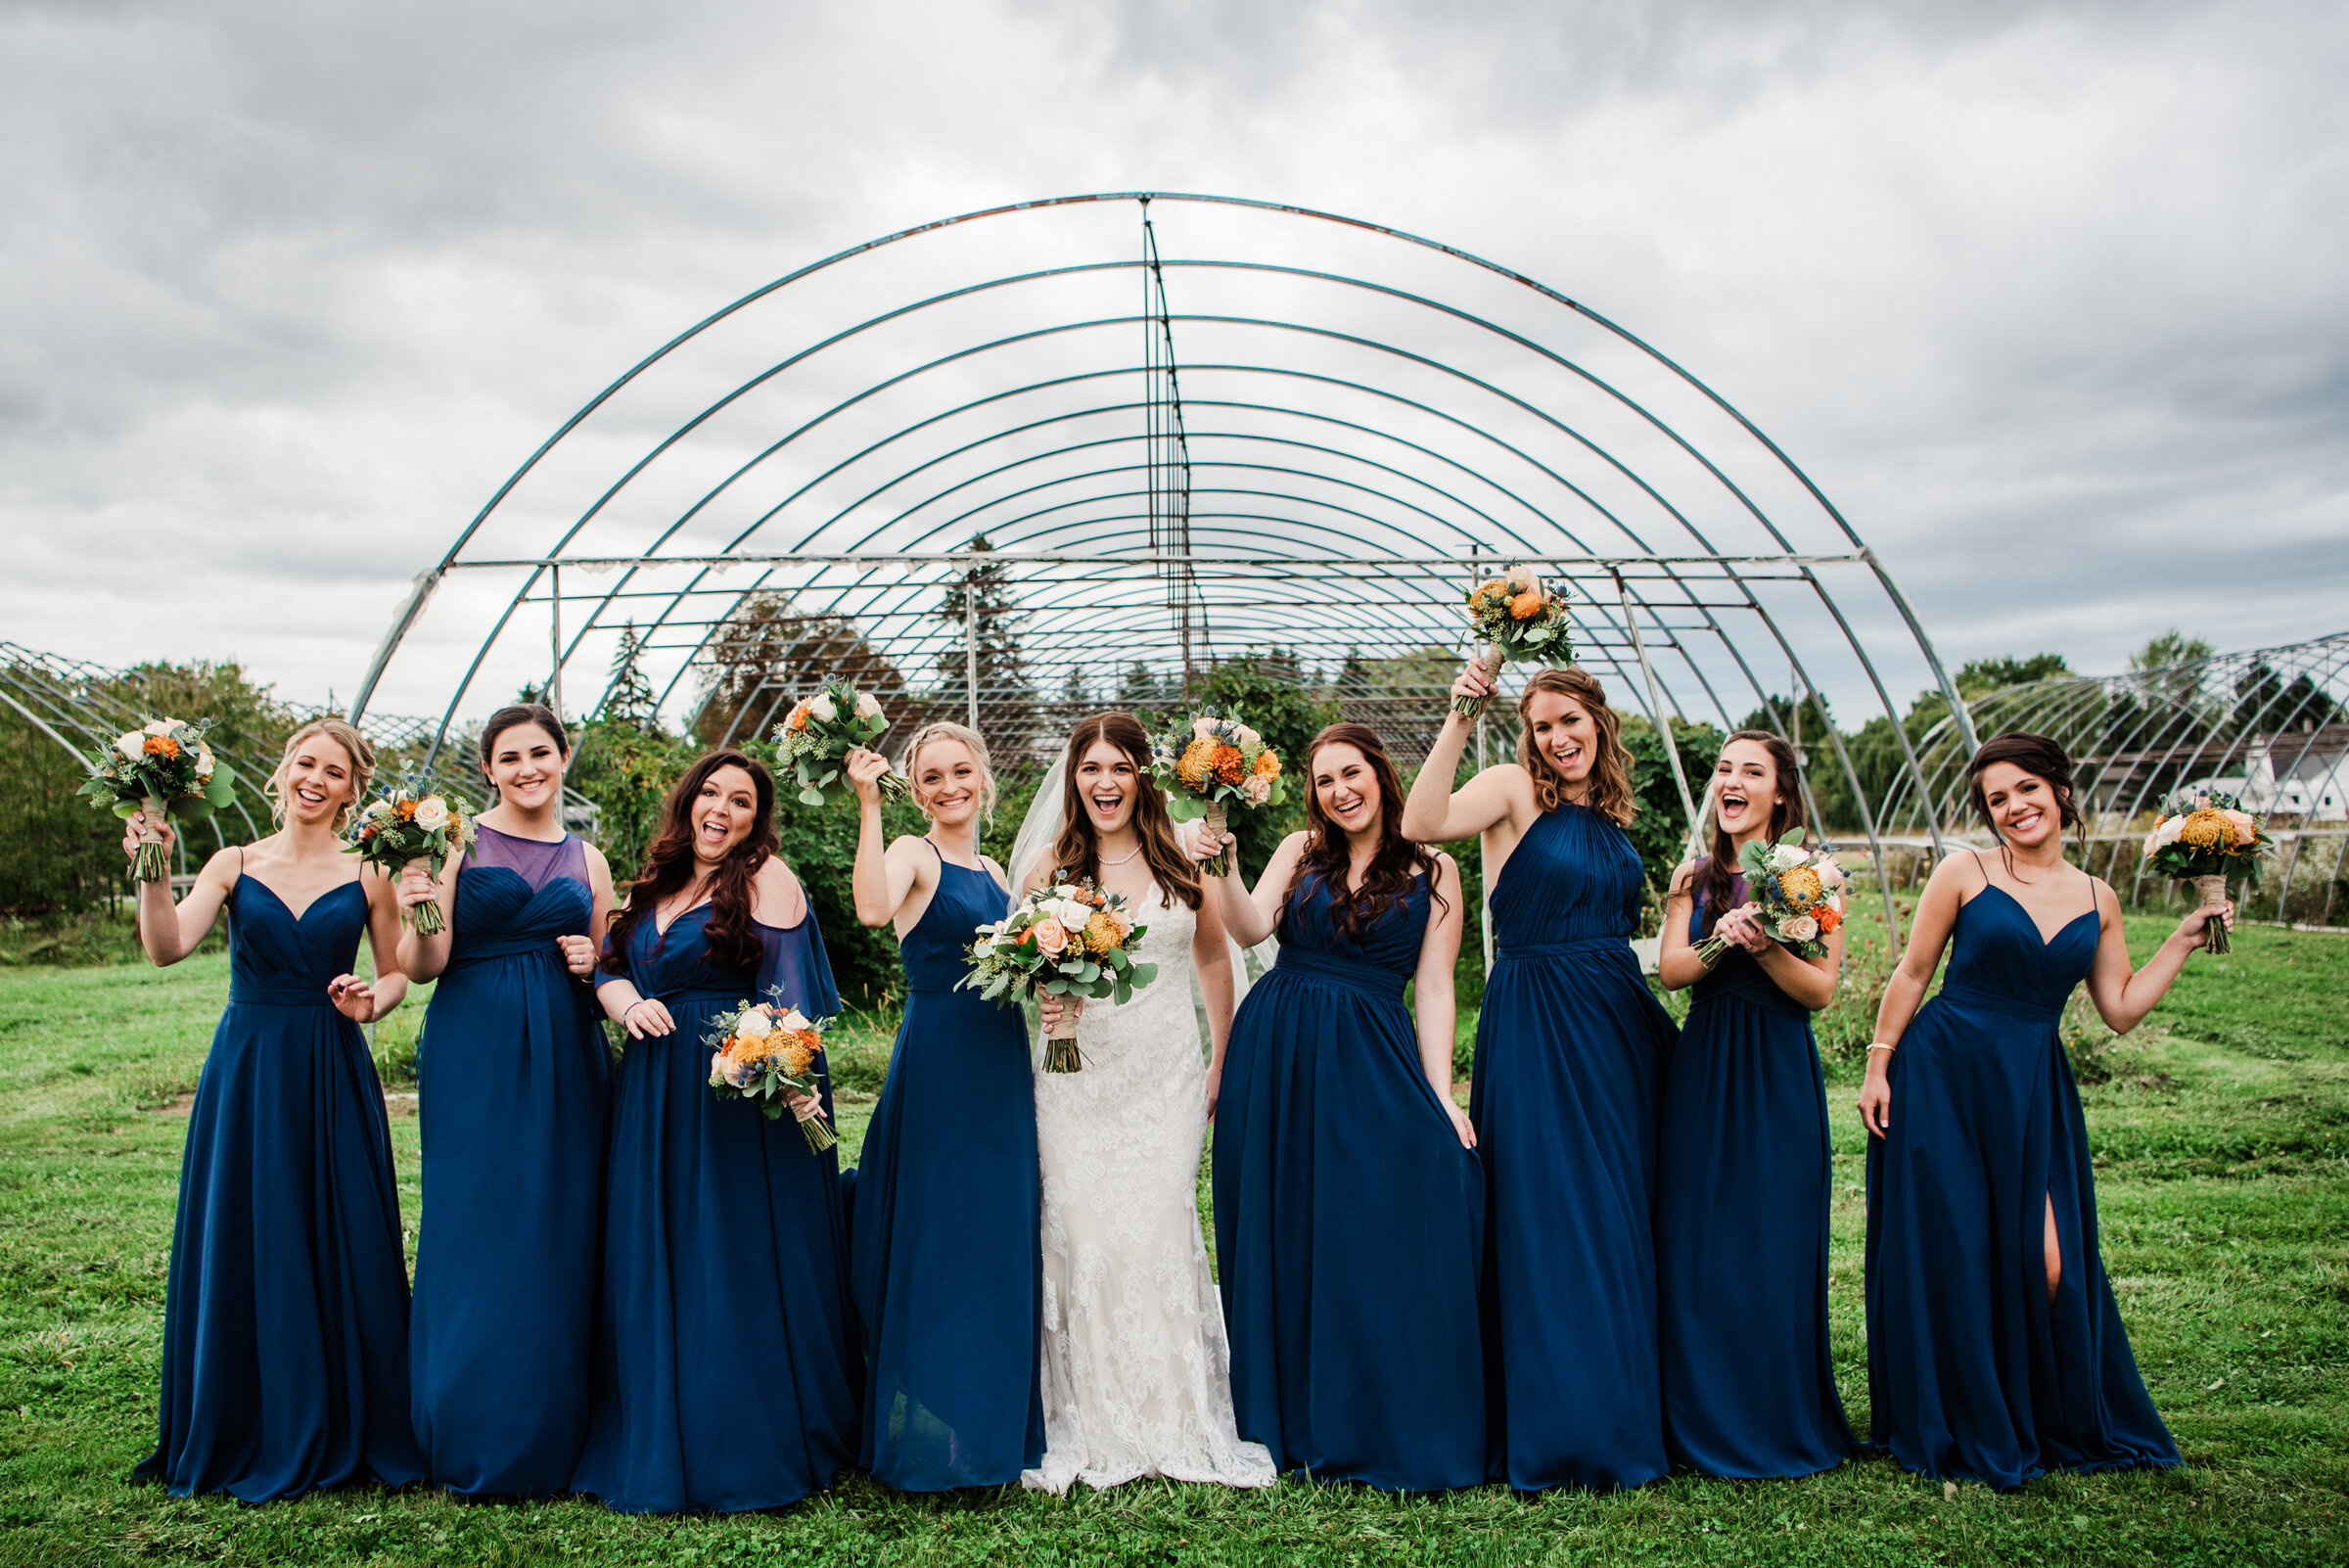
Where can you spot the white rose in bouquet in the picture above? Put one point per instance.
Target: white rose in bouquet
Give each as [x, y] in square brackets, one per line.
[1203, 726]
[204, 761]
[162, 726]
[1802, 927]
[867, 705]
[796, 1022]
[1246, 736]
[1064, 890]
[132, 744]
[1255, 789]
[755, 1024]
[822, 709]
[1786, 856]
[1073, 913]
[431, 814]
[1830, 875]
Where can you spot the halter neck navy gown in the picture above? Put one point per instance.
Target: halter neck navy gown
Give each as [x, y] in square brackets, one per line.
[1570, 1051]
[726, 1368]
[1741, 1232]
[948, 1260]
[512, 1089]
[1349, 1220]
[286, 1323]
[1969, 1373]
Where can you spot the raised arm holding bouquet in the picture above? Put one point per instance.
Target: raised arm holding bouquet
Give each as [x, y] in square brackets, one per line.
[163, 768]
[2206, 839]
[1513, 617]
[403, 827]
[819, 732]
[1208, 767]
[1071, 938]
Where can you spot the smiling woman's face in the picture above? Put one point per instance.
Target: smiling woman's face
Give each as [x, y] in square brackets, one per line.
[319, 780]
[1106, 785]
[1566, 737]
[947, 781]
[2023, 806]
[1745, 788]
[722, 813]
[1346, 788]
[527, 767]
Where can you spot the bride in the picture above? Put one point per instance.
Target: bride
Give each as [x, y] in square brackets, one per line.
[1137, 1369]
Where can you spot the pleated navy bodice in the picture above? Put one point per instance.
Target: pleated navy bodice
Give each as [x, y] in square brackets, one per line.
[1998, 959]
[278, 959]
[518, 894]
[1572, 877]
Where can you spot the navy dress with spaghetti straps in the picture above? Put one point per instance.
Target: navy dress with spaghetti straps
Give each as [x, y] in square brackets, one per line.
[513, 1091]
[1742, 1232]
[1969, 1370]
[285, 1318]
[947, 1263]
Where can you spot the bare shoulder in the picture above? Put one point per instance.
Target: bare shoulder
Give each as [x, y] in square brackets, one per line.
[596, 861]
[776, 876]
[2108, 903]
[995, 869]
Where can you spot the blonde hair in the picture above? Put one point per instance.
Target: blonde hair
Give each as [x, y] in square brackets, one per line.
[945, 729]
[354, 745]
[1609, 790]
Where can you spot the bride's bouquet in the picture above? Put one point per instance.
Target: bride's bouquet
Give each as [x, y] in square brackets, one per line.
[403, 827]
[1513, 617]
[2207, 838]
[1211, 765]
[764, 1052]
[1800, 893]
[1070, 940]
[823, 728]
[163, 769]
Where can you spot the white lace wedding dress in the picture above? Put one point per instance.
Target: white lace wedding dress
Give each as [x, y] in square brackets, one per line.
[1137, 1369]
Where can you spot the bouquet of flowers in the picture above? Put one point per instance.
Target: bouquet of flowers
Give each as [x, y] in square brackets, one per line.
[1513, 617]
[2207, 838]
[821, 729]
[760, 1050]
[403, 827]
[1801, 894]
[1071, 939]
[1208, 767]
[162, 768]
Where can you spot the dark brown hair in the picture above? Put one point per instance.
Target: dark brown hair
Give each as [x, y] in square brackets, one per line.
[1610, 781]
[669, 866]
[514, 716]
[1718, 875]
[2040, 757]
[1078, 853]
[1395, 865]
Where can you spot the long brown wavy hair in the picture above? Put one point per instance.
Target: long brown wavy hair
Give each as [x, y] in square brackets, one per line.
[1610, 782]
[1717, 879]
[1078, 853]
[2036, 755]
[1395, 865]
[668, 865]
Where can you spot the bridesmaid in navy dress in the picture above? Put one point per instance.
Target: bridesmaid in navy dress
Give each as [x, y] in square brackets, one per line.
[948, 1262]
[1347, 1192]
[1994, 1348]
[1570, 1053]
[1743, 1162]
[286, 1323]
[726, 1368]
[512, 1092]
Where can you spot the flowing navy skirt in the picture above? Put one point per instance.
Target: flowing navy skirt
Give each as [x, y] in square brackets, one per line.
[1741, 1242]
[286, 1327]
[1349, 1234]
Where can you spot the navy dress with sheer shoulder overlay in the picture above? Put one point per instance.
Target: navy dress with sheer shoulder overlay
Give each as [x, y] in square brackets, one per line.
[948, 1260]
[1571, 1049]
[1348, 1219]
[726, 1361]
[1742, 1232]
[1969, 1370]
[285, 1318]
[513, 1090]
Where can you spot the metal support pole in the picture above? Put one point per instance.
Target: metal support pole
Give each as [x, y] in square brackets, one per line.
[970, 641]
[554, 621]
[1655, 701]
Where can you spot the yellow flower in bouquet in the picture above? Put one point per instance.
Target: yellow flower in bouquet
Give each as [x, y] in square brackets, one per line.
[767, 1053]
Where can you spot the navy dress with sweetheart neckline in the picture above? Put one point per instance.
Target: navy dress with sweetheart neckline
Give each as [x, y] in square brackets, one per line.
[513, 1092]
[285, 1318]
[1969, 1372]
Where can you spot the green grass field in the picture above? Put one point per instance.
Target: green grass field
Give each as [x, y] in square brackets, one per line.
[2223, 1162]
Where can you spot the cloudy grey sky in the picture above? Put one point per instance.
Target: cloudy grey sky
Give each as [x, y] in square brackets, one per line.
[2051, 298]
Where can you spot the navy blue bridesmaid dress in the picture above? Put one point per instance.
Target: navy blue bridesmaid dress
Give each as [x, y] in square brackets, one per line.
[1741, 1232]
[513, 1085]
[725, 1360]
[1969, 1372]
[1570, 1053]
[948, 1263]
[1349, 1220]
[286, 1323]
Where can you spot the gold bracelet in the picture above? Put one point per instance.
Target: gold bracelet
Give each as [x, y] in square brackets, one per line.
[1881, 1046]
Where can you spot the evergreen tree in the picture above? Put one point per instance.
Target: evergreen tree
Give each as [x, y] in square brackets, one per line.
[984, 591]
[628, 695]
